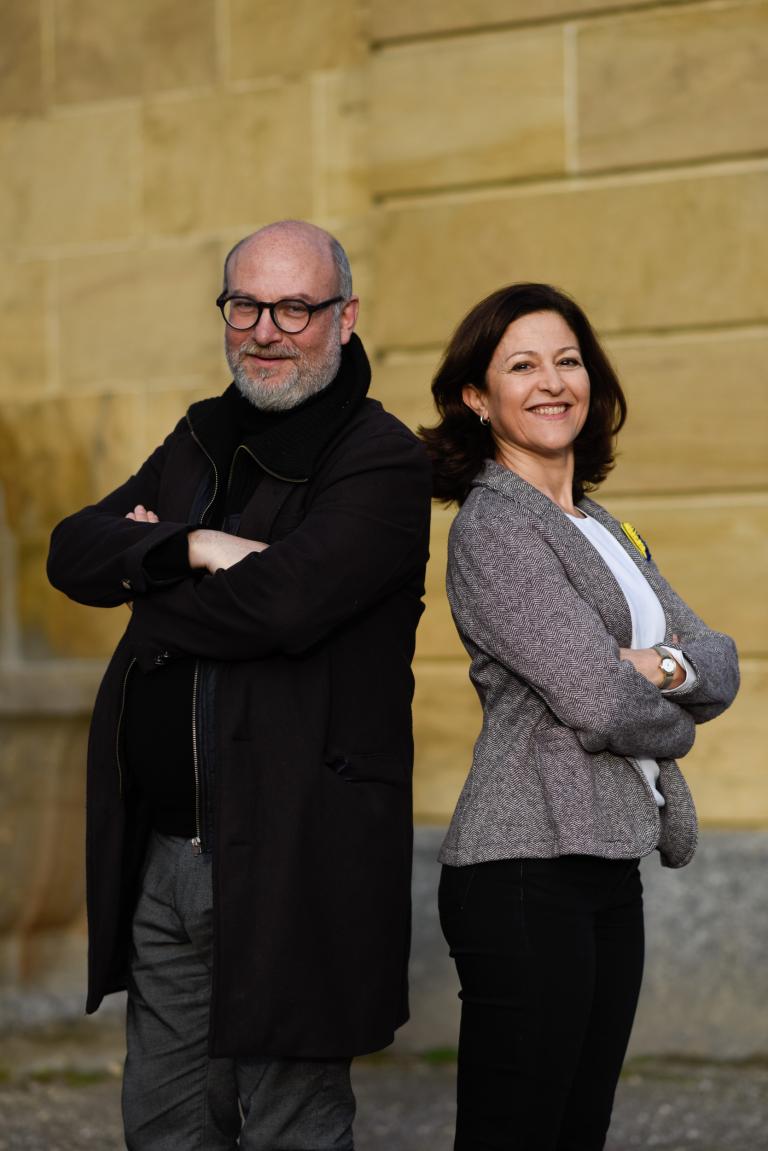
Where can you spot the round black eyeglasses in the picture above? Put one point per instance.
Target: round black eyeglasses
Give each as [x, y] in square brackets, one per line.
[290, 316]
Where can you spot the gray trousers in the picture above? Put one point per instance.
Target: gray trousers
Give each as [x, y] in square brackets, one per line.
[175, 1097]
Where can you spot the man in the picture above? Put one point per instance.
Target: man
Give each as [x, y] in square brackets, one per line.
[249, 809]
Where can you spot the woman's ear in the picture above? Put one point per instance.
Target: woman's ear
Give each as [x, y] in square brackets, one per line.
[473, 399]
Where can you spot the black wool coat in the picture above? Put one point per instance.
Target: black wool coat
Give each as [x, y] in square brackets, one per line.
[302, 719]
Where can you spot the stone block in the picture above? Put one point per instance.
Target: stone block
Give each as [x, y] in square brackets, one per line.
[212, 160]
[56, 456]
[714, 552]
[24, 325]
[134, 319]
[447, 719]
[402, 383]
[726, 768]
[456, 112]
[399, 19]
[683, 84]
[437, 637]
[21, 58]
[643, 253]
[42, 822]
[70, 177]
[103, 51]
[340, 147]
[684, 432]
[267, 39]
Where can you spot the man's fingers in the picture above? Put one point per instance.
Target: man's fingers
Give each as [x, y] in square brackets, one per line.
[141, 515]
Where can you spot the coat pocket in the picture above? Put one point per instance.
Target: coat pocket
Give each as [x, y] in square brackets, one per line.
[370, 767]
[592, 797]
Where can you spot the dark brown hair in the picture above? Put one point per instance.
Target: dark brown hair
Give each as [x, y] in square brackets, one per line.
[459, 444]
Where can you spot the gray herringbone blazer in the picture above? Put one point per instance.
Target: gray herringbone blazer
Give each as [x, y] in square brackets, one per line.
[542, 618]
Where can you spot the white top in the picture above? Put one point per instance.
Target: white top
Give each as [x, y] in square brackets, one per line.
[648, 622]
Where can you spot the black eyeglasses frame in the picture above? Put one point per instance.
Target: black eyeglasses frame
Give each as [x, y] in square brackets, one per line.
[225, 297]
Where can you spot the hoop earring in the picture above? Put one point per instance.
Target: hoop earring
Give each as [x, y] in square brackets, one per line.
[485, 421]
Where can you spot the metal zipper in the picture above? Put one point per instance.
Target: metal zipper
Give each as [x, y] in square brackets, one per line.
[264, 468]
[197, 840]
[120, 725]
[212, 462]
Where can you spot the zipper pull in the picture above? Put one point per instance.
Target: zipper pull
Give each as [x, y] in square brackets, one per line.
[197, 846]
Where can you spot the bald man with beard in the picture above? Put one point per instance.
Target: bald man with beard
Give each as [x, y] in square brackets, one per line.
[249, 767]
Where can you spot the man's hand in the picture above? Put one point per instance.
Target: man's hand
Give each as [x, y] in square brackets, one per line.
[142, 516]
[219, 550]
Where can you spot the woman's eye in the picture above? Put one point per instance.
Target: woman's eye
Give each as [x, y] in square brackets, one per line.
[570, 362]
[521, 366]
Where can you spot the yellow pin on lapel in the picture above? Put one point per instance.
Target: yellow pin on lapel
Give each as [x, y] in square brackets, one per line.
[634, 537]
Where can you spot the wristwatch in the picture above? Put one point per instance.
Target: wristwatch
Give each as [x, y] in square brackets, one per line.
[667, 664]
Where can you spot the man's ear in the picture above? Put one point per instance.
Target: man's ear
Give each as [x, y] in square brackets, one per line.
[349, 318]
[473, 399]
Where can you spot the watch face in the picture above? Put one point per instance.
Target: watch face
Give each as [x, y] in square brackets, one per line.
[668, 665]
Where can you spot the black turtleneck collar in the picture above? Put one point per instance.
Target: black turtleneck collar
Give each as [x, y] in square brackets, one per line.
[286, 444]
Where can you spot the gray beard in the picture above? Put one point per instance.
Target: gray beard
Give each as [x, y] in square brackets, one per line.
[301, 383]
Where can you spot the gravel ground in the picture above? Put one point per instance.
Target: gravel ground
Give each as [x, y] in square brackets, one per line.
[60, 1091]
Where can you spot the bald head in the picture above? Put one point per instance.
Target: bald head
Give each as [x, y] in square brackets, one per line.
[296, 239]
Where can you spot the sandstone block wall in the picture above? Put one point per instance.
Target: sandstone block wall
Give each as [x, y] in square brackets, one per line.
[618, 150]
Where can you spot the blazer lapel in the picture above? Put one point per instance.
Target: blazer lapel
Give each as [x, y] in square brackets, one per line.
[586, 569]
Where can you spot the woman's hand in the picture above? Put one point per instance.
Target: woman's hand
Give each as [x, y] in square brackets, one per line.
[215, 551]
[647, 661]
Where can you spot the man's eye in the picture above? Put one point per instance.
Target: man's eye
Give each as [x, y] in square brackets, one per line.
[293, 308]
[243, 305]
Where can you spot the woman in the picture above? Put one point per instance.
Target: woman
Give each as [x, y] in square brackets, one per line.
[592, 674]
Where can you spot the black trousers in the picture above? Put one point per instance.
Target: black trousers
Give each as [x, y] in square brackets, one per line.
[549, 954]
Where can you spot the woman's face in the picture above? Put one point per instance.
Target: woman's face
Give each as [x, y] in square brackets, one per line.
[536, 388]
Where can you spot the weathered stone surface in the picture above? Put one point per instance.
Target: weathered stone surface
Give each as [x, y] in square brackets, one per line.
[267, 39]
[126, 48]
[25, 306]
[392, 19]
[714, 552]
[56, 456]
[21, 58]
[726, 768]
[437, 637]
[70, 177]
[636, 254]
[684, 431]
[667, 86]
[340, 150]
[447, 720]
[41, 823]
[705, 984]
[402, 382]
[211, 161]
[134, 319]
[426, 132]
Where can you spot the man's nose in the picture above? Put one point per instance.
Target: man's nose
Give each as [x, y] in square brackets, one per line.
[266, 330]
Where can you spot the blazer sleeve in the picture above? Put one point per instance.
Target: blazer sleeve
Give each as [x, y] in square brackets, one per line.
[97, 556]
[512, 599]
[712, 655]
[364, 536]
